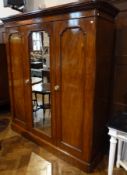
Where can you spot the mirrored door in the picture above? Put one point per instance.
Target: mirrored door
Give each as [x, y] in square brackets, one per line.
[39, 44]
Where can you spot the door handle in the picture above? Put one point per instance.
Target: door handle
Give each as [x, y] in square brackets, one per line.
[27, 81]
[56, 87]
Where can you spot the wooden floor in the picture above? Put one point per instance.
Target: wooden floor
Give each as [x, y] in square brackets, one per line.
[19, 156]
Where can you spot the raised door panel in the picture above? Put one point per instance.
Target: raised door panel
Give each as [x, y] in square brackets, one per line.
[17, 78]
[72, 86]
[75, 78]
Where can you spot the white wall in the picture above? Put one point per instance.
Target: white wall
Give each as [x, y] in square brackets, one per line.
[37, 4]
[40, 4]
[1, 3]
[5, 12]
[49, 3]
[34, 4]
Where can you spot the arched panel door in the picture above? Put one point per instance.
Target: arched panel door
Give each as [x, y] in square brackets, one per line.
[17, 83]
[74, 85]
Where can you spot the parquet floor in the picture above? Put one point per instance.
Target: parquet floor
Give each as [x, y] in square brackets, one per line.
[20, 156]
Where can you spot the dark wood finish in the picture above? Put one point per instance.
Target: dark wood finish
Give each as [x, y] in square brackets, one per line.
[104, 66]
[119, 103]
[4, 87]
[17, 74]
[76, 82]
[81, 45]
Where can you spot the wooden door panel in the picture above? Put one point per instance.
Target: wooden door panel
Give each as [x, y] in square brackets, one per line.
[17, 74]
[72, 86]
[75, 77]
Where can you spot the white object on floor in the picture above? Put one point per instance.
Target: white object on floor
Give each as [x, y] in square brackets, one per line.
[120, 138]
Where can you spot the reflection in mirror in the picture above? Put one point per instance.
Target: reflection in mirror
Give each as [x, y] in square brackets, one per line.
[40, 80]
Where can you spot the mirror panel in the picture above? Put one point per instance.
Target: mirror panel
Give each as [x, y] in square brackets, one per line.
[40, 80]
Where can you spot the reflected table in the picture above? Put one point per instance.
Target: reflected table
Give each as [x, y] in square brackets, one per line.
[43, 89]
[36, 80]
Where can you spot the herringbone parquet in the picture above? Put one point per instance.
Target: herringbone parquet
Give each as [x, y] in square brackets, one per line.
[19, 156]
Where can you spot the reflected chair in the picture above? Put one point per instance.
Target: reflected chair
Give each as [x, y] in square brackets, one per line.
[35, 102]
[118, 132]
[35, 80]
[46, 74]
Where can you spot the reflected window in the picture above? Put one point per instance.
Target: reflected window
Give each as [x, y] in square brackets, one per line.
[37, 41]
